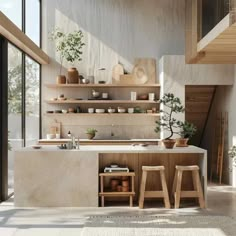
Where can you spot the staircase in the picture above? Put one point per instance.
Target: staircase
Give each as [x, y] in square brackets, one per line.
[198, 100]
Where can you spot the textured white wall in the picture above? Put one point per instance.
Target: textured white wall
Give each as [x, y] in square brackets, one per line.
[224, 102]
[115, 30]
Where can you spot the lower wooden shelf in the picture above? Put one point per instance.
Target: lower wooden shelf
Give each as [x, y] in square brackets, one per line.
[117, 194]
[104, 193]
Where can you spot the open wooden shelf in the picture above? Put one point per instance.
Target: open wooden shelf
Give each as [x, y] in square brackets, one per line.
[112, 174]
[116, 194]
[102, 102]
[102, 85]
[104, 114]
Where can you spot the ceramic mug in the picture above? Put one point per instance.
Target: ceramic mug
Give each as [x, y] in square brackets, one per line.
[90, 110]
[133, 96]
[151, 96]
[105, 95]
[58, 136]
[130, 110]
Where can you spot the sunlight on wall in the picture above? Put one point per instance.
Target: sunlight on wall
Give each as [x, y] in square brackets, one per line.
[96, 54]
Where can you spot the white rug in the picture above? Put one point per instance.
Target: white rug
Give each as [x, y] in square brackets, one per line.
[160, 226]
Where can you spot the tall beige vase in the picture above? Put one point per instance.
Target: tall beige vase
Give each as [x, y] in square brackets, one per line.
[73, 76]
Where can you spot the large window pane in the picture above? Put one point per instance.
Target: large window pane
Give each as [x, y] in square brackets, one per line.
[32, 20]
[14, 107]
[32, 90]
[13, 10]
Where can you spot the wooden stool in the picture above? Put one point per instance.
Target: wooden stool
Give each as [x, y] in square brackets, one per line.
[197, 193]
[154, 194]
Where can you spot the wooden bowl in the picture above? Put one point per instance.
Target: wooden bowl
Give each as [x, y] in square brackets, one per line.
[143, 97]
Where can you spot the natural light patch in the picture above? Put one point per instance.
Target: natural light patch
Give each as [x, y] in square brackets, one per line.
[96, 53]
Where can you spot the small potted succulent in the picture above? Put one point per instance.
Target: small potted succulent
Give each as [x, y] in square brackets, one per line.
[70, 48]
[187, 131]
[91, 132]
[168, 122]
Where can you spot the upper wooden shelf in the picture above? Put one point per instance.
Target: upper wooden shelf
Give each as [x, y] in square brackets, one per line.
[102, 85]
[102, 102]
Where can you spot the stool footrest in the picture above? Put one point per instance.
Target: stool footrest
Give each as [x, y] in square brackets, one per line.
[189, 194]
[153, 194]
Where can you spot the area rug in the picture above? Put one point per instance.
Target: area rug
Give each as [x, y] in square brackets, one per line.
[160, 226]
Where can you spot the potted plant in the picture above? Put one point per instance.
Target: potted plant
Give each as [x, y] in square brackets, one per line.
[187, 131]
[168, 122]
[91, 132]
[70, 48]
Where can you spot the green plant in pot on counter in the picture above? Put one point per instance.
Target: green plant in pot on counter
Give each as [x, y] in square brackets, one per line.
[91, 132]
[70, 48]
[168, 122]
[187, 131]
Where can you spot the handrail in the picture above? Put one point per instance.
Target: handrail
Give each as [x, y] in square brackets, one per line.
[13, 34]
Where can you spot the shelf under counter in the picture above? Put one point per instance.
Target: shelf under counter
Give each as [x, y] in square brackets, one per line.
[105, 114]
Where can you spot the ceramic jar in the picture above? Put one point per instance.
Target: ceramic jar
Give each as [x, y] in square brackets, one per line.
[73, 76]
[61, 79]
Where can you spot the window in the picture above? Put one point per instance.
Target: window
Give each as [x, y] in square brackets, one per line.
[23, 83]
[13, 10]
[32, 20]
[32, 104]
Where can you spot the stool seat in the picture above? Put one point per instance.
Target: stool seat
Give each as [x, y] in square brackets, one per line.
[187, 168]
[154, 194]
[196, 193]
[153, 168]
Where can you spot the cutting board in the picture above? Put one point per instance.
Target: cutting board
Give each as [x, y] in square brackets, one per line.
[149, 65]
[55, 128]
[117, 71]
[127, 79]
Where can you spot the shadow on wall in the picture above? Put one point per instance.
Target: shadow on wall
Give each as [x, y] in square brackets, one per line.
[119, 30]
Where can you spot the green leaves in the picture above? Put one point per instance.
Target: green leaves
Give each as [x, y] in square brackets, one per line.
[187, 129]
[232, 154]
[69, 45]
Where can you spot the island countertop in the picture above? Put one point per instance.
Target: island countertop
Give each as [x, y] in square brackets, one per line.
[51, 177]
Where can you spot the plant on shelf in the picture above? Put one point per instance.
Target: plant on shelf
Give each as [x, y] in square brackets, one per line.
[232, 154]
[91, 132]
[70, 48]
[187, 131]
[168, 122]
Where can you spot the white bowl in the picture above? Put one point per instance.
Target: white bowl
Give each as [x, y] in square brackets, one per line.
[64, 111]
[111, 110]
[100, 110]
[130, 110]
[121, 110]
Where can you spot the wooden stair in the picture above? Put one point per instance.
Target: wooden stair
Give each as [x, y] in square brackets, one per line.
[198, 100]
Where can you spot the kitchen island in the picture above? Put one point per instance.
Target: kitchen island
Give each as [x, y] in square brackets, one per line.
[51, 177]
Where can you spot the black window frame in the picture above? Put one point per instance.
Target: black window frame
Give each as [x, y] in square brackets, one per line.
[4, 101]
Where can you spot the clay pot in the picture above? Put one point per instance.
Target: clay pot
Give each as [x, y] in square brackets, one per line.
[91, 136]
[119, 188]
[125, 189]
[61, 79]
[182, 142]
[125, 183]
[169, 143]
[73, 76]
[114, 184]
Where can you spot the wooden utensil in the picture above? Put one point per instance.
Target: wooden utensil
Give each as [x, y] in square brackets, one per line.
[117, 71]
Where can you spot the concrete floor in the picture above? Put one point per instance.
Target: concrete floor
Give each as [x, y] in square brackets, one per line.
[70, 221]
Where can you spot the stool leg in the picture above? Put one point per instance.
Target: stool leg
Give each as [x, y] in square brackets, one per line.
[142, 189]
[165, 190]
[178, 188]
[131, 201]
[174, 188]
[197, 183]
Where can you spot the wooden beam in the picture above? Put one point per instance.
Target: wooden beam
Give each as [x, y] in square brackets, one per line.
[13, 34]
